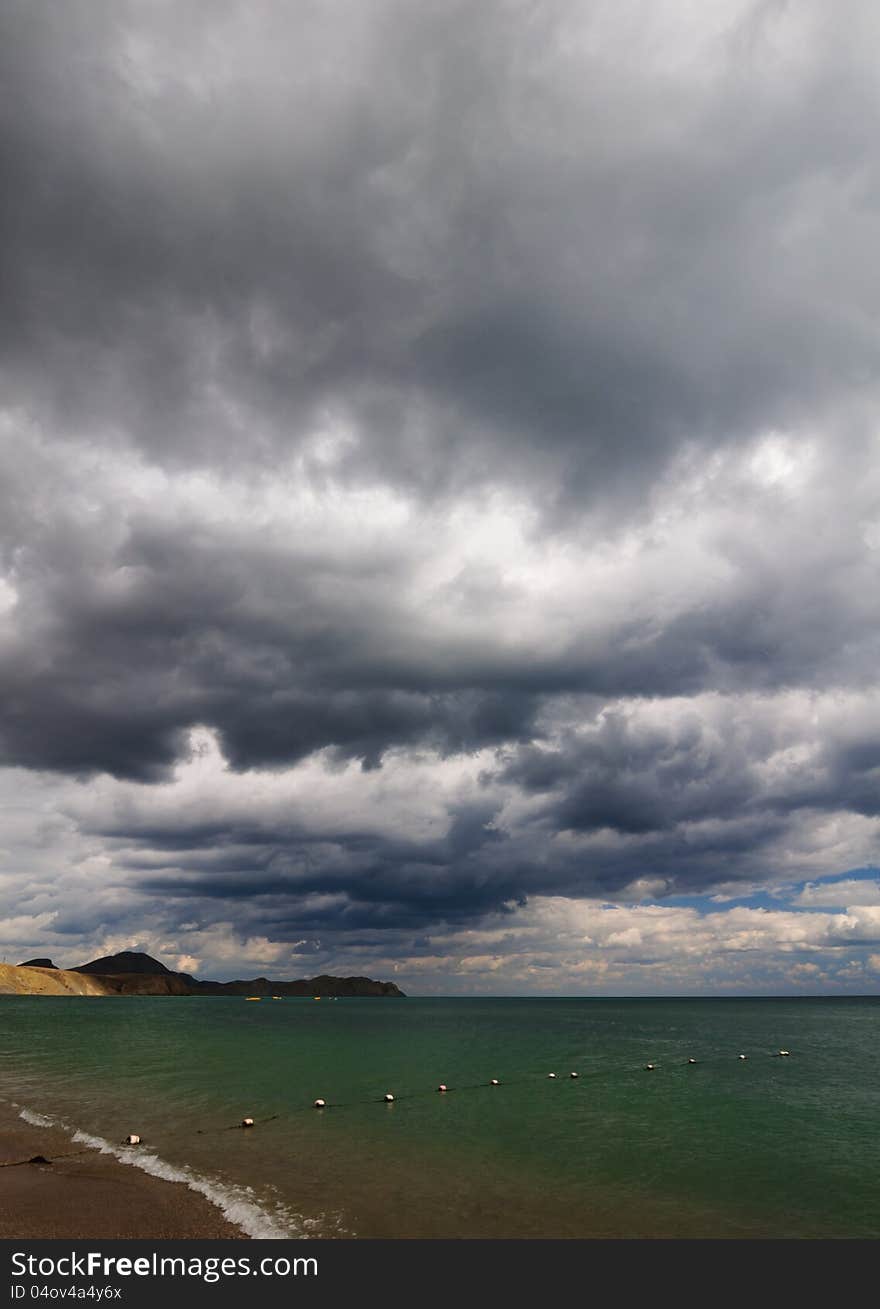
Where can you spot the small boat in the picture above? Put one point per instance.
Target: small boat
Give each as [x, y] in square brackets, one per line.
[276, 997]
[253, 997]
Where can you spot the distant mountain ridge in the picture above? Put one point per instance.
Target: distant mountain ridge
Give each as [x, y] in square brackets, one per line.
[127, 961]
[131, 972]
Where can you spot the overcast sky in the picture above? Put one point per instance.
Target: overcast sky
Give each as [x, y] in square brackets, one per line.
[440, 490]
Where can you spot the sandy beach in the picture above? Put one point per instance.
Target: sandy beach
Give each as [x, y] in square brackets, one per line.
[82, 1193]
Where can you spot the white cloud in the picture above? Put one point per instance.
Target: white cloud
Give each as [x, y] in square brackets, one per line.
[846, 893]
[558, 945]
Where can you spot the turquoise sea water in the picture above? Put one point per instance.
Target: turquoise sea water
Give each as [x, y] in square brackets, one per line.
[766, 1147]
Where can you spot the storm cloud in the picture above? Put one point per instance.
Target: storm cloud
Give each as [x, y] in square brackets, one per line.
[439, 477]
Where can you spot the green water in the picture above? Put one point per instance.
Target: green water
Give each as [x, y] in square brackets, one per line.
[775, 1147]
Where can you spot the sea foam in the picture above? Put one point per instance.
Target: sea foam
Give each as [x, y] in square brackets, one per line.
[35, 1119]
[236, 1203]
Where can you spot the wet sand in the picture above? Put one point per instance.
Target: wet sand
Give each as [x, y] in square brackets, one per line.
[86, 1194]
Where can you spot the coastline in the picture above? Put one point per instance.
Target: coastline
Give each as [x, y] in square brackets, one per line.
[84, 1194]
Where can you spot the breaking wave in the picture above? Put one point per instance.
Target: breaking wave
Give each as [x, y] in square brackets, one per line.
[238, 1204]
[35, 1119]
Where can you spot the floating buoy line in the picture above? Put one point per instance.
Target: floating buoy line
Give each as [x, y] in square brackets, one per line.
[247, 1123]
[444, 1088]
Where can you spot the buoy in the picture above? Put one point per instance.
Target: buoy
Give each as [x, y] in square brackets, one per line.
[319, 1104]
[247, 1122]
[551, 1074]
[692, 1061]
[574, 1074]
[783, 1054]
[649, 1068]
[743, 1056]
[132, 1140]
[388, 1097]
[442, 1086]
[494, 1082]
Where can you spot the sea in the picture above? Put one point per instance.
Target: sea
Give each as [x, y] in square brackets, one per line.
[769, 1146]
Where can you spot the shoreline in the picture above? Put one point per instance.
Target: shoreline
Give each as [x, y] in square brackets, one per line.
[84, 1194]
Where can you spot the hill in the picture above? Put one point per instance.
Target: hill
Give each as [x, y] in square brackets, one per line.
[133, 973]
[127, 961]
[325, 985]
[28, 980]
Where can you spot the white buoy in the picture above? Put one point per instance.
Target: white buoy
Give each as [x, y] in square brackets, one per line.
[783, 1054]
[247, 1122]
[649, 1068]
[442, 1087]
[743, 1056]
[388, 1097]
[494, 1082]
[551, 1074]
[574, 1074]
[132, 1139]
[320, 1104]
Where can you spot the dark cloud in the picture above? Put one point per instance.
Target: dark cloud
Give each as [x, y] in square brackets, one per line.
[500, 245]
[128, 638]
[485, 384]
[285, 878]
[689, 799]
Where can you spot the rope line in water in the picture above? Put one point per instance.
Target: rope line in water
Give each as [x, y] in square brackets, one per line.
[237, 1127]
[41, 1159]
[583, 1077]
